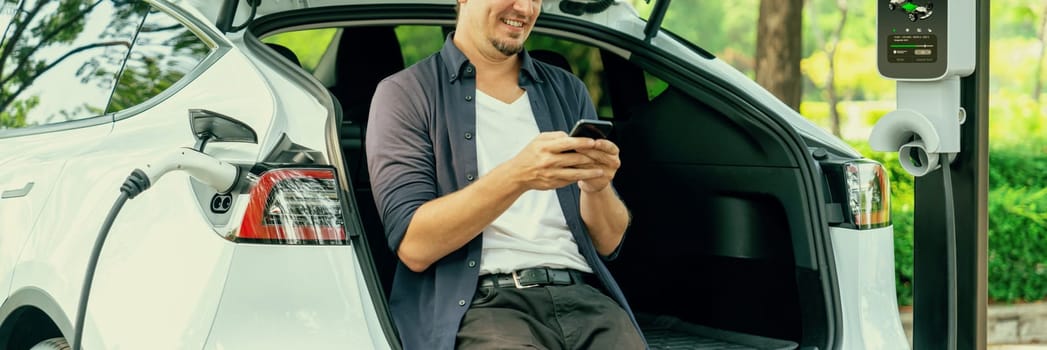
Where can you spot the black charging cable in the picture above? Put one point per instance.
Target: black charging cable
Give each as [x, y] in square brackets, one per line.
[950, 254]
[135, 184]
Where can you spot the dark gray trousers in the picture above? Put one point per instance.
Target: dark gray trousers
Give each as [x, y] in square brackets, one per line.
[553, 317]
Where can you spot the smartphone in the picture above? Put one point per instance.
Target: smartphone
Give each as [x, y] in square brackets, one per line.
[591, 128]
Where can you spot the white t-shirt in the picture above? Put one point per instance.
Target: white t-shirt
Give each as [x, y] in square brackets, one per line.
[533, 231]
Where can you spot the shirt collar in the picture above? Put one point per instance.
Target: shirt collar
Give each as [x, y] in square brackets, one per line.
[458, 65]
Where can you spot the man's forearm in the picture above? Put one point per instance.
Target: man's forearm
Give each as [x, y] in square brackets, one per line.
[606, 217]
[446, 224]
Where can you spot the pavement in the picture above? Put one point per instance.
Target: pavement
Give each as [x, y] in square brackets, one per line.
[1008, 327]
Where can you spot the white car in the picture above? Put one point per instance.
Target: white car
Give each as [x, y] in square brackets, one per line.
[249, 223]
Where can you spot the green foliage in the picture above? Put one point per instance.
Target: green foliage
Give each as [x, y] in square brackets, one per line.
[1012, 65]
[1016, 18]
[856, 75]
[726, 29]
[903, 251]
[14, 116]
[815, 111]
[1018, 243]
[1016, 166]
[859, 116]
[419, 42]
[586, 63]
[46, 35]
[1015, 119]
[308, 45]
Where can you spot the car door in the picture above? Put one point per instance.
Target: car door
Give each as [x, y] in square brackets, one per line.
[59, 65]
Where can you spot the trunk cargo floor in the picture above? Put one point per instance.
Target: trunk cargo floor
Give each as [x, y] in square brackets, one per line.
[670, 333]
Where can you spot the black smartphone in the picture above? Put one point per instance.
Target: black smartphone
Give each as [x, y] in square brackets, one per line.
[592, 128]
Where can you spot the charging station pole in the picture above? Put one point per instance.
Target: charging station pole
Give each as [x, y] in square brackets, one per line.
[970, 184]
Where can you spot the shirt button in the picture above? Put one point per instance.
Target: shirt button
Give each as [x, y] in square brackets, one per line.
[468, 136]
[468, 97]
[470, 177]
[472, 263]
[454, 76]
[468, 69]
[461, 302]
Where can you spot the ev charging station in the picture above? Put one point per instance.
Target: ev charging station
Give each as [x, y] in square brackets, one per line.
[937, 51]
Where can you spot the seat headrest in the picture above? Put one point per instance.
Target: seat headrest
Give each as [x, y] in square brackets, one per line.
[284, 51]
[553, 58]
[366, 55]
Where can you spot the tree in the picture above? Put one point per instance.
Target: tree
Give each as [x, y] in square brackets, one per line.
[1041, 36]
[779, 47]
[830, 51]
[160, 50]
[39, 26]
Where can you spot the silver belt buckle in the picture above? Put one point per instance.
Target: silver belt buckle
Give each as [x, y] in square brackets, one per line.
[516, 281]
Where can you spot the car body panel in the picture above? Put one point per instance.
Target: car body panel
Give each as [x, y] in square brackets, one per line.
[163, 224]
[26, 183]
[867, 291]
[295, 297]
[298, 113]
[195, 256]
[136, 302]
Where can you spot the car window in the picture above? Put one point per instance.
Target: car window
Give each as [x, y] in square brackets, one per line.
[7, 12]
[419, 41]
[585, 62]
[308, 45]
[737, 37]
[655, 85]
[164, 52]
[59, 60]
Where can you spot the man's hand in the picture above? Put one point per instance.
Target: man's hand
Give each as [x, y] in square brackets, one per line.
[604, 156]
[546, 164]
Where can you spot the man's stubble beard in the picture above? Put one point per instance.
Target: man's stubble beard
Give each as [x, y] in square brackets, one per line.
[506, 47]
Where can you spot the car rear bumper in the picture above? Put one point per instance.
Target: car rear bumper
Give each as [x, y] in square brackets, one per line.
[295, 297]
[865, 270]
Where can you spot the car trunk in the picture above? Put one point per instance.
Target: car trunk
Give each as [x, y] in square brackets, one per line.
[714, 210]
[707, 261]
[723, 251]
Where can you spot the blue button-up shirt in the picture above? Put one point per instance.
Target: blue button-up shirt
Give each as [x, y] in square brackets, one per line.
[420, 146]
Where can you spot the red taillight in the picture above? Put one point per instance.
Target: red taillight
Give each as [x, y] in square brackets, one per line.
[294, 206]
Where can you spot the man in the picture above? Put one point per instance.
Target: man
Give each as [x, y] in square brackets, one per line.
[482, 197]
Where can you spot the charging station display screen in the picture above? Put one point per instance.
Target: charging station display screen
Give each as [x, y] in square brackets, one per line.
[912, 38]
[912, 48]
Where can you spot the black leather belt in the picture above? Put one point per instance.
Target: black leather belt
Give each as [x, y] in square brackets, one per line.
[534, 277]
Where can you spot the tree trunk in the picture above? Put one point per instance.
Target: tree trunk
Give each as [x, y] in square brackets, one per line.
[779, 49]
[1037, 80]
[830, 83]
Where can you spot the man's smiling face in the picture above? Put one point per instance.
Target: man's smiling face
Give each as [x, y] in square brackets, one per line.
[499, 25]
